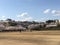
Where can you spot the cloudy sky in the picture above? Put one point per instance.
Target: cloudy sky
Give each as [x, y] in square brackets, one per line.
[29, 10]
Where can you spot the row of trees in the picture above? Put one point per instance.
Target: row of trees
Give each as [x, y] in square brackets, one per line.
[31, 25]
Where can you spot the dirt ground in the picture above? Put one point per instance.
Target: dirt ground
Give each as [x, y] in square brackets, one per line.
[30, 38]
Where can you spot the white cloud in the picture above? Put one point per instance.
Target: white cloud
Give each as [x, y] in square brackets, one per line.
[23, 14]
[55, 12]
[27, 19]
[44, 19]
[52, 12]
[3, 17]
[36, 20]
[46, 11]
